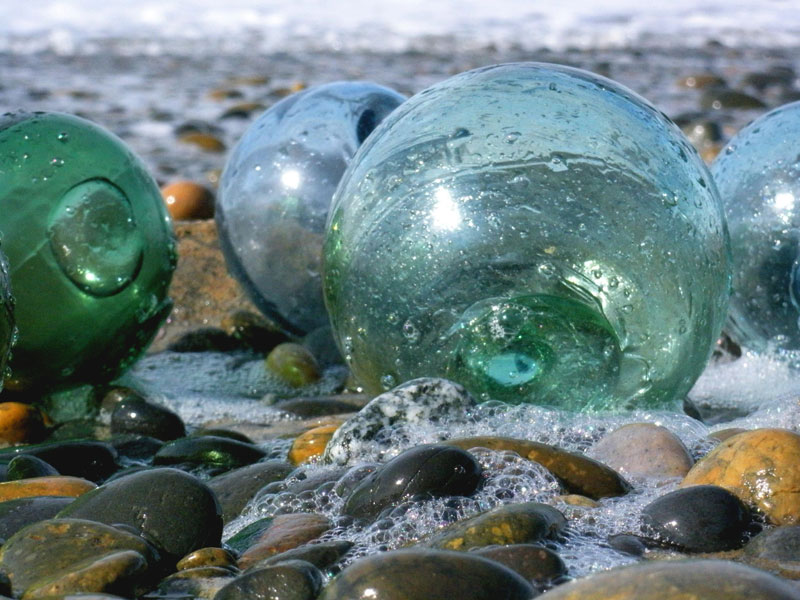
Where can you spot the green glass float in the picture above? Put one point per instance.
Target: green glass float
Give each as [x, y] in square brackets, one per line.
[90, 250]
[758, 176]
[534, 232]
[7, 330]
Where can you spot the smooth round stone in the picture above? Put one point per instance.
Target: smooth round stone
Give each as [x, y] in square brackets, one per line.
[758, 176]
[700, 518]
[760, 467]
[175, 510]
[21, 512]
[319, 554]
[218, 453]
[139, 416]
[90, 250]
[429, 470]
[274, 535]
[536, 233]
[55, 485]
[776, 550]
[88, 459]
[276, 189]
[290, 580]
[206, 557]
[20, 423]
[534, 563]
[24, 466]
[701, 579]
[7, 331]
[293, 364]
[424, 400]
[236, 488]
[643, 450]
[311, 444]
[428, 574]
[188, 200]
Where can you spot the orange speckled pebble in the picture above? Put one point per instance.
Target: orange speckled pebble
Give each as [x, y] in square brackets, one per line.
[56, 485]
[761, 468]
[20, 423]
[187, 200]
[311, 444]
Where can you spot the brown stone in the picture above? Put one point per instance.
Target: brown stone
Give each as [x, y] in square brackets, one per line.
[643, 450]
[724, 434]
[207, 557]
[293, 364]
[579, 474]
[760, 467]
[187, 200]
[20, 423]
[202, 290]
[204, 141]
[311, 444]
[54, 485]
[285, 532]
[702, 80]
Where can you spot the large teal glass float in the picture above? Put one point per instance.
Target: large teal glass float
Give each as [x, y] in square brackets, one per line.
[758, 176]
[7, 332]
[90, 250]
[276, 189]
[535, 232]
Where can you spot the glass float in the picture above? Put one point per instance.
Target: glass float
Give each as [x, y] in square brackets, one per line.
[535, 232]
[7, 331]
[276, 189]
[758, 176]
[90, 250]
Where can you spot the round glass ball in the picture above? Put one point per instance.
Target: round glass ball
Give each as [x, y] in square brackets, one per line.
[276, 189]
[758, 176]
[90, 250]
[537, 233]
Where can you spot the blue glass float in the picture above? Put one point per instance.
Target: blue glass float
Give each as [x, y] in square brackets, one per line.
[536, 233]
[90, 250]
[7, 331]
[276, 189]
[758, 176]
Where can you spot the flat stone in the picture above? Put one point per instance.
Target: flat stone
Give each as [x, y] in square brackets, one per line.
[21, 512]
[282, 533]
[579, 474]
[236, 488]
[643, 450]
[430, 575]
[55, 485]
[173, 509]
[87, 459]
[321, 554]
[776, 550]
[216, 452]
[694, 579]
[207, 557]
[523, 523]
[760, 467]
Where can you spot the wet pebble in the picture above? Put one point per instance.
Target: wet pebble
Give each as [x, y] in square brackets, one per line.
[429, 574]
[136, 447]
[579, 473]
[523, 523]
[719, 98]
[632, 545]
[290, 580]
[429, 470]
[323, 405]
[55, 485]
[776, 550]
[242, 110]
[643, 450]
[235, 488]
[319, 554]
[701, 518]
[274, 535]
[20, 423]
[86, 459]
[255, 331]
[701, 80]
[537, 564]
[700, 579]
[21, 512]
[61, 556]
[207, 557]
[182, 513]
[25, 466]
[217, 453]
[424, 400]
[293, 364]
[203, 141]
[311, 444]
[760, 467]
[138, 416]
[187, 200]
[193, 583]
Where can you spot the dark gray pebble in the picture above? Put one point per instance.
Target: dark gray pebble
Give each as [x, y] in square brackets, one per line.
[289, 580]
[535, 563]
[235, 488]
[20, 512]
[146, 418]
[211, 451]
[91, 460]
[27, 465]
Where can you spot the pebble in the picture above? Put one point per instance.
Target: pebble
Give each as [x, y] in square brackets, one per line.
[20, 423]
[535, 563]
[319, 554]
[723, 434]
[701, 80]
[254, 330]
[21, 512]
[182, 512]
[187, 200]
[87, 459]
[424, 400]
[418, 574]
[139, 448]
[776, 550]
[293, 364]
[290, 580]
[141, 417]
[700, 518]
[760, 467]
[579, 473]
[429, 470]
[322, 405]
[60, 556]
[279, 534]
[523, 523]
[311, 444]
[236, 488]
[203, 141]
[25, 466]
[719, 98]
[55, 485]
[643, 450]
[242, 110]
[192, 583]
[694, 579]
[631, 545]
[218, 453]
[207, 557]
[204, 339]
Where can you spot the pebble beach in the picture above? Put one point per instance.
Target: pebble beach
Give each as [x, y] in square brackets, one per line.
[235, 461]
